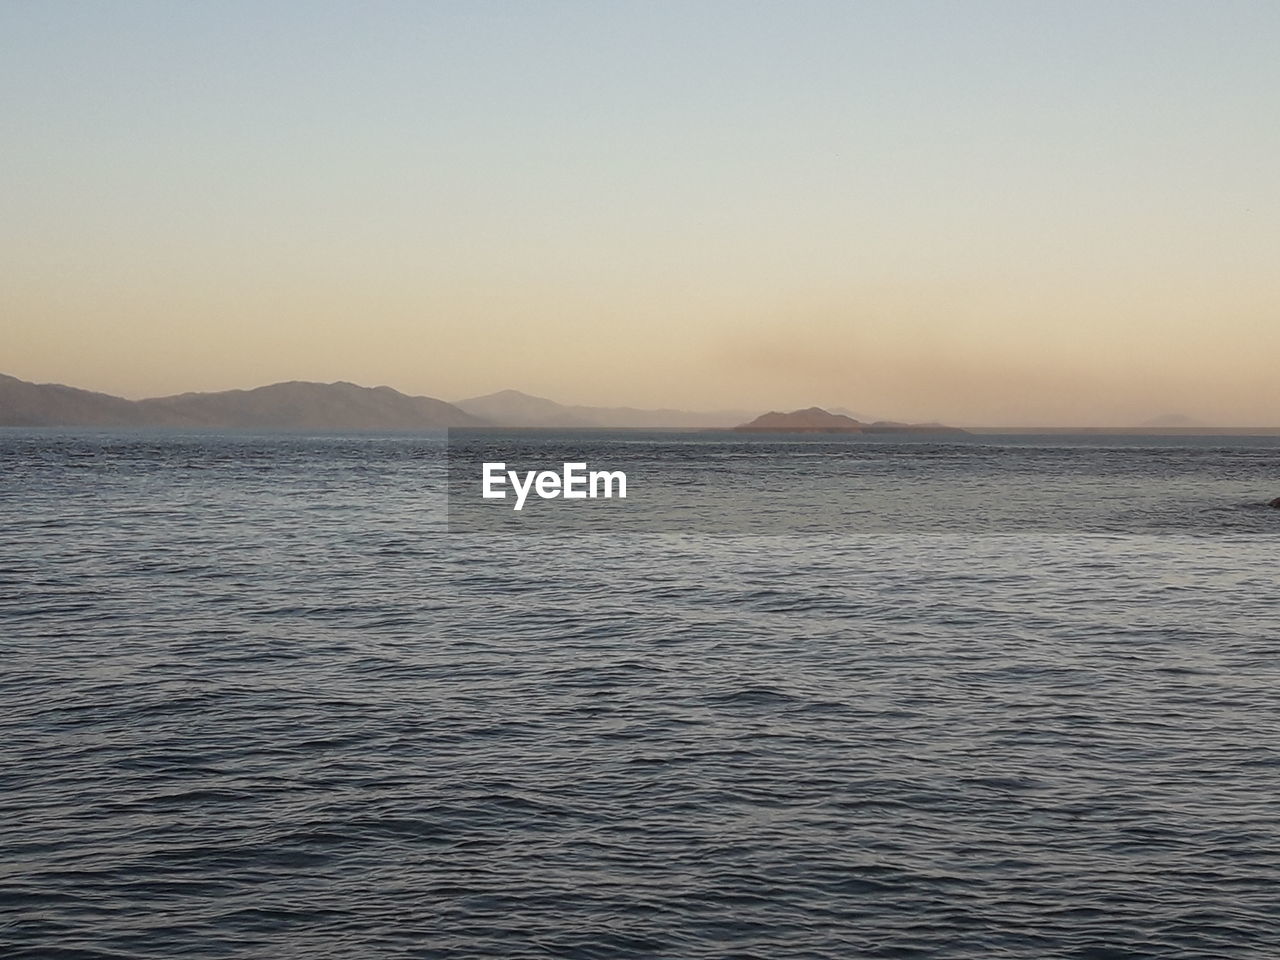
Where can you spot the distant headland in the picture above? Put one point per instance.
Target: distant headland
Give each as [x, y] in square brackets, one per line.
[817, 420]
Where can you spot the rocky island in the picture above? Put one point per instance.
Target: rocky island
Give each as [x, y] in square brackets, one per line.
[817, 420]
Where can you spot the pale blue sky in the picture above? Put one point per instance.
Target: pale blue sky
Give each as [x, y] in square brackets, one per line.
[981, 211]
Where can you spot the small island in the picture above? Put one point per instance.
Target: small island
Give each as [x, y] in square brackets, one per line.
[817, 420]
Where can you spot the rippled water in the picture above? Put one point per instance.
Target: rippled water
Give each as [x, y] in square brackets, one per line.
[257, 703]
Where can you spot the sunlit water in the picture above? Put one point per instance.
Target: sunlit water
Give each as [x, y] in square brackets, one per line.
[258, 703]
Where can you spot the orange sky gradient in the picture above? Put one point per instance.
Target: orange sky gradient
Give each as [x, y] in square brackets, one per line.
[985, 214]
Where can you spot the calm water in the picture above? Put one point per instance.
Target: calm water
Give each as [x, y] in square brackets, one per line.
[258, 703]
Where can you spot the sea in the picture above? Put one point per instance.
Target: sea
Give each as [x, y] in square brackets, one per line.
[310, 696]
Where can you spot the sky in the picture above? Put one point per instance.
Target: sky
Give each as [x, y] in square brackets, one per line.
[1000, 213]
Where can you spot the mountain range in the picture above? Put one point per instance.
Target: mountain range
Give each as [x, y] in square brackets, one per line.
[300, 405]
[295, 405]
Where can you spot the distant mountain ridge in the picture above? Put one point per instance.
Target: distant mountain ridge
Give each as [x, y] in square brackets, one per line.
[24, 404]
[294, 405]
[305, 405]
[511, 408]
[817, 420]
[300, 405]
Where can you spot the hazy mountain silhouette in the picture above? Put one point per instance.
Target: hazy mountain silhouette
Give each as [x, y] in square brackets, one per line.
[810, 420]
[299, 405]
[302, 405]
[817, 420]
[24, 404]
[659, 418]
[511, 408]
[894, 426]
[295, 405]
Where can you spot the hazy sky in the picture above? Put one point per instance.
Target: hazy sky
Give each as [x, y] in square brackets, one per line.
[982, 212]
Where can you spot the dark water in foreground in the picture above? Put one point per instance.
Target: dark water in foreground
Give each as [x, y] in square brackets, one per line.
[256, 703]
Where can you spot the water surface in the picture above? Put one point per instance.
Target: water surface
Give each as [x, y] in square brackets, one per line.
[259, 702]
